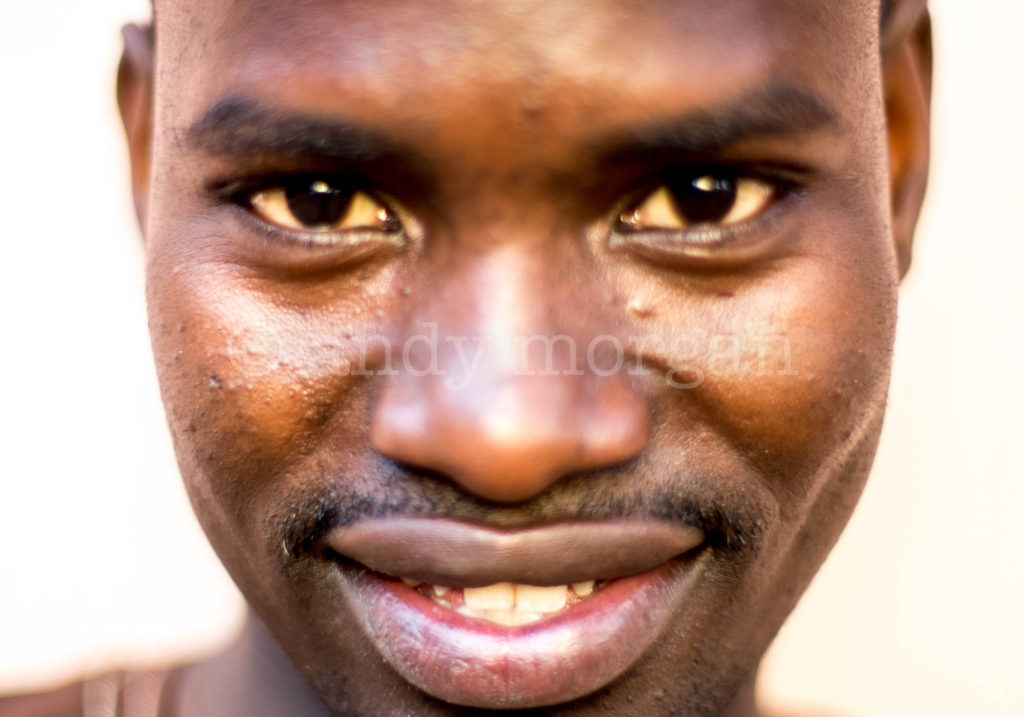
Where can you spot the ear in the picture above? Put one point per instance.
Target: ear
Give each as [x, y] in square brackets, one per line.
[907, 75]
[135, 100]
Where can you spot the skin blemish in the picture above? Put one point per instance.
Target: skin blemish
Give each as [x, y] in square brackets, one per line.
[507, 161]
[640, 308]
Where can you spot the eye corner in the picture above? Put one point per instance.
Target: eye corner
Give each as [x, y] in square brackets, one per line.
[268, 237]
[691, 200]
[313, 205]
[754, 228]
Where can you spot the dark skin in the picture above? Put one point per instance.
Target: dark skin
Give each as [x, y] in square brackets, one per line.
[501, 170]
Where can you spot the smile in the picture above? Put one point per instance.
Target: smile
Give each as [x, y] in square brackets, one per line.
[580, 603]
[508, 604]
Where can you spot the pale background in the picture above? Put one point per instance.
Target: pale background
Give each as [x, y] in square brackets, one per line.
[918, 612]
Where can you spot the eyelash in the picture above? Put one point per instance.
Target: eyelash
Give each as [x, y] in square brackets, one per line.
[240, 194]
[699, 243]
[296, 250]
[709, 242]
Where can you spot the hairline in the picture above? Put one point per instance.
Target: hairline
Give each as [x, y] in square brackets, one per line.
[884, 13]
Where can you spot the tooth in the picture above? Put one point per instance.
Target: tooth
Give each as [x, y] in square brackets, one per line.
[411, 583]
[509, 618]
[500, 596]
[583, 589]
[441, 590]
[531, 598]
[525, 618]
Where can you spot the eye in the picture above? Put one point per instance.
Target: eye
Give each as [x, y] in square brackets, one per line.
[699, 200]
[319, 206]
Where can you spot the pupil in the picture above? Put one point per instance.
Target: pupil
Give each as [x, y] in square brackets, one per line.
[317, 203]
[704, 199]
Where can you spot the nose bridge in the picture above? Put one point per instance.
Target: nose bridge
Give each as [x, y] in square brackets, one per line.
[494, 389]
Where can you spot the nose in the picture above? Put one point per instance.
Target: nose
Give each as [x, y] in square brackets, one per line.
[495, 388]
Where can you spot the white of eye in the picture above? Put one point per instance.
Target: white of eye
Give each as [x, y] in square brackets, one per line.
[358, 211]
[660, 210]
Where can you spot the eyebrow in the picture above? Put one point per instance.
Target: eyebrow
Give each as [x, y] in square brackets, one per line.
[238, 125]
[244, 126]
[775, 110]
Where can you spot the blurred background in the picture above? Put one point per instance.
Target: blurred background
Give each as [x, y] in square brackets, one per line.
[918, 611]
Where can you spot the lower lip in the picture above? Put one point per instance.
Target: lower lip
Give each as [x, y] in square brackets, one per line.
[480, 664]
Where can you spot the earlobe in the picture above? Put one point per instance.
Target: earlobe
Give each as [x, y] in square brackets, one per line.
[135, 101]
[907, 68]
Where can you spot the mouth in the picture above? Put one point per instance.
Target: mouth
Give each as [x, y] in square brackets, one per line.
[508, 604]
[513, 619]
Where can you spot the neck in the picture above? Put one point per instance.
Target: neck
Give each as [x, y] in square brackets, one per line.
[252, 678]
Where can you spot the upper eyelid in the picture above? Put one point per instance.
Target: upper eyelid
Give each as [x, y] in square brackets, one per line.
[239, 187]
[241, 190]
[713, 248]
[710, 246]
[287, 239]
[238, 193]
[774, 174]
[783, 181]
[784, 178]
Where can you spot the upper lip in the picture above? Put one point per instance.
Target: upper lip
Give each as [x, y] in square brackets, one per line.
[458, 554]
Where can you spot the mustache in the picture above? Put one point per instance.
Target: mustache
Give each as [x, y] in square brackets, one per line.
[732, 522]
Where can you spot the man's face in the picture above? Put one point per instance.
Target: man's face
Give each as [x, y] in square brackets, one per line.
[597, 296]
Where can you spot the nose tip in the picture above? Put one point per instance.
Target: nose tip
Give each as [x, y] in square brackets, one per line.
[508, 439]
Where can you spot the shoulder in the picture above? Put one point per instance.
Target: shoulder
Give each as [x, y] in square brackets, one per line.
[142, 693]
[66, 700]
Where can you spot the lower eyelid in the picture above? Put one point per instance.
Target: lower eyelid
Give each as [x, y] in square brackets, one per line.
[759, 237]
[696, 240]
[275, 247]
[665, 214]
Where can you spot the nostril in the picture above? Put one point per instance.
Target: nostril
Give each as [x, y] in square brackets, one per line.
[493, 456]
[508, 441]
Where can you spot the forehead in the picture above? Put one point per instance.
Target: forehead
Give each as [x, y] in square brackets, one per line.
[580, 61]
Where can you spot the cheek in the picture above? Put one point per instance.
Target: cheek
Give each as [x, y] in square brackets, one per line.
[816, 377]
[252, 385]
[789, 372]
